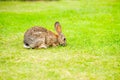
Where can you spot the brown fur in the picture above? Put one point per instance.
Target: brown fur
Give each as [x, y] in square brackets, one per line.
[39, 37]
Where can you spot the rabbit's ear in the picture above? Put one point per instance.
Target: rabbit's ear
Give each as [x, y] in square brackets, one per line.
[58, 27]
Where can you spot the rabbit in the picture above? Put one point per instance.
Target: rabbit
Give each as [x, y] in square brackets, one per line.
[39, 37]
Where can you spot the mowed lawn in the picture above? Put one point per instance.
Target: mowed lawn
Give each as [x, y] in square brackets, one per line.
[92, 30]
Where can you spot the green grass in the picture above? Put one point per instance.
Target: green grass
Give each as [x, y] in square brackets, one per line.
[92, 29]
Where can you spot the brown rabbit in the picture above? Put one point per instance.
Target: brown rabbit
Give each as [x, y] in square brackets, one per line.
[39, 37]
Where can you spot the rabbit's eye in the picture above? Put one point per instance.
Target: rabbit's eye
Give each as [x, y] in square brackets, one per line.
[64, 39]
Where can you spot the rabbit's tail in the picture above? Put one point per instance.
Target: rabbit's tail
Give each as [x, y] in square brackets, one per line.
[26, 45]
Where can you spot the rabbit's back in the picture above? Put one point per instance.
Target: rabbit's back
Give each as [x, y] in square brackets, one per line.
[35, 29]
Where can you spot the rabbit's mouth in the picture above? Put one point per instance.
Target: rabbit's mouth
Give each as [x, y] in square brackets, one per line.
[63, 44]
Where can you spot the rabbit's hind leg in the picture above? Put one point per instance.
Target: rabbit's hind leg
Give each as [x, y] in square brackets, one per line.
[42, 46]
[41, 43]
